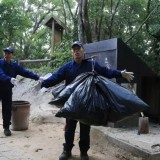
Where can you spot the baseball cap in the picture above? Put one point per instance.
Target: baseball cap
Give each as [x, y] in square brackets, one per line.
[78, 43]
[8, 49]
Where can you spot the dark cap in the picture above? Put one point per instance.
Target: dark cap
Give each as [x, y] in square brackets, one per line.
[8, 49]
[77, 43]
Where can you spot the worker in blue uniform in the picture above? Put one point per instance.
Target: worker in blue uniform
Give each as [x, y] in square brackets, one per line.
[8, 72]
[69, 72]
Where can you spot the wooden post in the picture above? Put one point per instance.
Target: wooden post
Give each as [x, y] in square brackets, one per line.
[53, 40]
[143, 125]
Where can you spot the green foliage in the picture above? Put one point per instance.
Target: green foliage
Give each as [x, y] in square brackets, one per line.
[43, 69]
[61, 56]
[22, 26]
[12, 21]
[62, 53]
[127, 20]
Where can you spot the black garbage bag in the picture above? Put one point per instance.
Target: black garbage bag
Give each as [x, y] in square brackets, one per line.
[61, 93]
[123, 102]
[97, 100]
[57, 90]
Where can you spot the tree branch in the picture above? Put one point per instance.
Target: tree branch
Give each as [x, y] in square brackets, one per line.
[148, 16]
[112, 18]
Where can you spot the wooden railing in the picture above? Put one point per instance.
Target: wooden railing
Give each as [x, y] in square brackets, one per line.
[33, 61]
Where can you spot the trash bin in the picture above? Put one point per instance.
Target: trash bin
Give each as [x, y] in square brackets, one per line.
[20, 115]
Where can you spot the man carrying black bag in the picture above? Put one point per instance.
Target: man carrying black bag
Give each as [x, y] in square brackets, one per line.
[69, 72]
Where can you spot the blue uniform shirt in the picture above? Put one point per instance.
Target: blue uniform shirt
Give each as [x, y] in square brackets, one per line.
[71, 70]
[11, 70]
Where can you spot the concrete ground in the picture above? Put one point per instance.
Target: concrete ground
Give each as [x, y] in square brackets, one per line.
[146, 146]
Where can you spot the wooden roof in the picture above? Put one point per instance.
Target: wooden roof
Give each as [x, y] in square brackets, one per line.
[59, 25]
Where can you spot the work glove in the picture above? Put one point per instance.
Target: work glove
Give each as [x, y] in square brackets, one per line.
[45, 77]
[14, 81]
[42, 78]
[37, 86]
[128, 75]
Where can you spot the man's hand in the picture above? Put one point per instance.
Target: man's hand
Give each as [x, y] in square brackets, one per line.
[37, 87]
[14, 81]
[128, 75]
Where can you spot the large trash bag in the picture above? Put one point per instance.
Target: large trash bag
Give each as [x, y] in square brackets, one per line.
[55, 92]
[61, 93]
[97, 100]
[123, 102]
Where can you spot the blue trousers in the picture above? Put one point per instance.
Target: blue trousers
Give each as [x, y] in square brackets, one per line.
[84, 142]
[6, 98]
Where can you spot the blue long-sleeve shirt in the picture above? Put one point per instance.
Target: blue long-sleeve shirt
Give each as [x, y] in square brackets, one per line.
[11, 70]
[71, 70]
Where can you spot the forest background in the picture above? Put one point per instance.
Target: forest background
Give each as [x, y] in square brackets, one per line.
[136, 22]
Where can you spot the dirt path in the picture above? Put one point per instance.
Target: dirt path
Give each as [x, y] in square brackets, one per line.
[44, 142]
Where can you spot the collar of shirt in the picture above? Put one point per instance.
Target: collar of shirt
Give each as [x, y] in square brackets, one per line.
[4, 62]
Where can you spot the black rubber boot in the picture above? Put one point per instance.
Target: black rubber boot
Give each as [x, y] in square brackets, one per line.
[84, 156]
[7, 132]
[65, 155]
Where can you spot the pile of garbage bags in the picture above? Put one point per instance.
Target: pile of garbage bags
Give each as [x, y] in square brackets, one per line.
[95, 100]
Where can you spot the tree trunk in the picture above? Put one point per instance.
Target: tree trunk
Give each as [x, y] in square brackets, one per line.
[85, 21]
[84, 29]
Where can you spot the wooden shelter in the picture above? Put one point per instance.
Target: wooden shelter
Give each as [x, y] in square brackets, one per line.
[57, 28]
